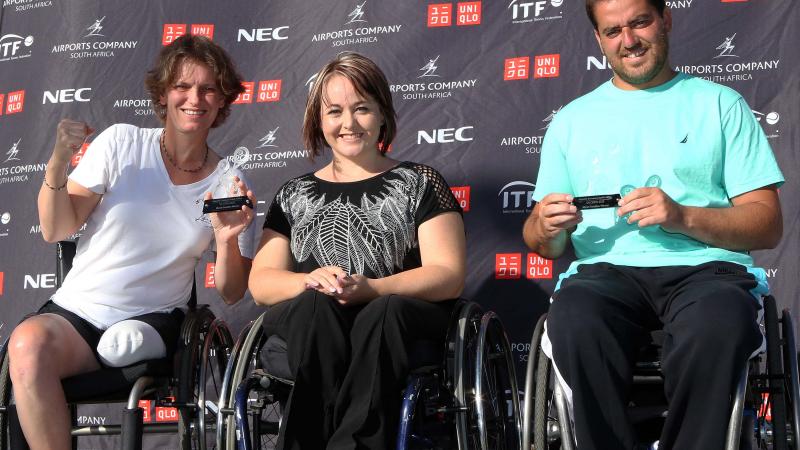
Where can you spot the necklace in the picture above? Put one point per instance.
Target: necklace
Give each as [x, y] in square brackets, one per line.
[175, 165]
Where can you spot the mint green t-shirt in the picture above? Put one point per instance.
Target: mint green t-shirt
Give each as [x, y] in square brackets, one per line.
[696, 140]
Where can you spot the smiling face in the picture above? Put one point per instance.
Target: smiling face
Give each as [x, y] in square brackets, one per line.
[351, 123]
[633, 36]
[193, 100]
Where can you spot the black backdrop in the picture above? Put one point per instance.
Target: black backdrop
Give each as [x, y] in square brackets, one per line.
[475, 85]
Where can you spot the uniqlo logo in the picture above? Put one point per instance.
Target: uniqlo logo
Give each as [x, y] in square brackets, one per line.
[165, 413]
[765, 410]
[210, 282]
[546, 66]
[247, 95]
[145, 406]
[78, 156]
[439, 15]
[468, 13]
[269, 91]
[538, 267]
[2, 100]
[172, 31]
[461, 193]
[203, 29]
[517, 68]
[15, 102]
[2, 277]
[508, 266]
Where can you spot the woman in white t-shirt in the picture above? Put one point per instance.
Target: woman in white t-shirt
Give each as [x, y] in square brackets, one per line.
[140, 193]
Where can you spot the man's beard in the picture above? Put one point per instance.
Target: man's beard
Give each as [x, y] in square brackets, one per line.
[634, 78]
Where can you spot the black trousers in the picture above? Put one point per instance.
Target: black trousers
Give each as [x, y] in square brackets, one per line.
[350, 366]
[601, 316]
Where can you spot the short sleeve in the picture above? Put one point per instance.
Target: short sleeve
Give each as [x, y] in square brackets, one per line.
[276, 218]
[94, 171]
[749, 161]
[437, 198]
[553, 170]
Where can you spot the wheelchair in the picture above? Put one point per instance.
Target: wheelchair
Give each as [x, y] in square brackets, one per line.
[460, 394]
[765, 406]
[188, 382]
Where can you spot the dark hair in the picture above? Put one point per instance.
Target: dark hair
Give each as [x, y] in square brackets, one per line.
[368, 81]
[201, 50]
[659, 5]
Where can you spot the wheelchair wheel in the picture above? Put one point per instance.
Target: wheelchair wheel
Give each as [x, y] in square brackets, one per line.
[496, 391]
[537, 419]
[792, 378]
[225, 410]
[461, 361]
[5, 398]
[264, 411]
[202, 356]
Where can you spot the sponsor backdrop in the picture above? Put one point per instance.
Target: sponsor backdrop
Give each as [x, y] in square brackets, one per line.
[476, 84]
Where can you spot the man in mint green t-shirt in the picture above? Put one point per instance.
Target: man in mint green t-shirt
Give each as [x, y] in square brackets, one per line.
[698, 185]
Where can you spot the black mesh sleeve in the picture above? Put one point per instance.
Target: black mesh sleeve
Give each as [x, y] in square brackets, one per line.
[437, 198]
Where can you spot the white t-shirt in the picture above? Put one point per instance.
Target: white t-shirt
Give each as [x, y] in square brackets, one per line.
[143, 240]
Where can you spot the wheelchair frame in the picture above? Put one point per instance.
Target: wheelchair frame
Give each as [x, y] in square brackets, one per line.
[202, 350]
[769, 383]
[477, 362]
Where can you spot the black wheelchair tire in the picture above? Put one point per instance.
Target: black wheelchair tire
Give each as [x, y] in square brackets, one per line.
[776, 376]
[792, 377]
[530, 413]
[496, 378]
[224, 406]
[463, 383]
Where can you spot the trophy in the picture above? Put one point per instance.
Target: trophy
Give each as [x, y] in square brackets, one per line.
[226, 193]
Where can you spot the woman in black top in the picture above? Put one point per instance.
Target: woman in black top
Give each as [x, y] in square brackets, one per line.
[357, 260]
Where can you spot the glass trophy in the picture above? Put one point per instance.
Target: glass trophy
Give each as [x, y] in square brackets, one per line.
[226, 193]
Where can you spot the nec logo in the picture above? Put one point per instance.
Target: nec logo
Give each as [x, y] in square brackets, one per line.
[67, 96]
[173, 31]
[467, 13]
[445, 135]
[262, 34]
[461, 193]
[544, 66]
[39, 281]
[14, 102]
[592, 62]
[268, 91]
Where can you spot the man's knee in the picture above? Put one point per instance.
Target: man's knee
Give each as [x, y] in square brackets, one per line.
[725, 317]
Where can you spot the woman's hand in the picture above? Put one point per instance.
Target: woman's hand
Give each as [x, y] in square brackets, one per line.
[327, 280]
[70, 136]
[356, 289]
[227, 225]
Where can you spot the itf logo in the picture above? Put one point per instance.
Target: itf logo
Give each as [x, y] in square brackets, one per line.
[441, 14]
[461, 193]
[14, 102]
[173, 31]
[508, 266]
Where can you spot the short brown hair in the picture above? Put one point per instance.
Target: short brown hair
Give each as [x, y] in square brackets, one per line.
[369, 82]
[199, 49]
[657, 4]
